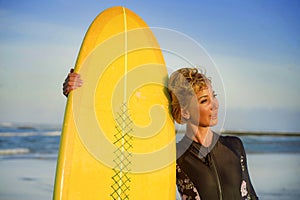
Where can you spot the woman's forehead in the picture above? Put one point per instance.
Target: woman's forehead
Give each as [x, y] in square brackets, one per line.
[205, 91]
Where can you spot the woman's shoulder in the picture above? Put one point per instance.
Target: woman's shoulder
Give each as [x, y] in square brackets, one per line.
[233, 142]
[231, 139]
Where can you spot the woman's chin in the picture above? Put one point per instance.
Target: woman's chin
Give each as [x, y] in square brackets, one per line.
[214, 122]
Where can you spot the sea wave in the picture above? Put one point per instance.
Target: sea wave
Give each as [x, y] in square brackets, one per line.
[12, 134]
[52, 133]
[14, 151]
[27, 134]
[6, 124]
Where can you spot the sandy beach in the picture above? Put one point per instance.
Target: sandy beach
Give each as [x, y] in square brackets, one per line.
[26, 179]
[274, 176]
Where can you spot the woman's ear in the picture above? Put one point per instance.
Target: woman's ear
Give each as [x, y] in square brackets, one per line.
[185, 114]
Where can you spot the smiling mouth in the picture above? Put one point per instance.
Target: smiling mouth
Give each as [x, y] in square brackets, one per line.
[214, 116]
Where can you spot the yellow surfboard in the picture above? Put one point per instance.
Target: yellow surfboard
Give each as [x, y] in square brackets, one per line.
[118, 138]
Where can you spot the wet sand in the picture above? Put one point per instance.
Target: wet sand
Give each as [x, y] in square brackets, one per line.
[274, 176]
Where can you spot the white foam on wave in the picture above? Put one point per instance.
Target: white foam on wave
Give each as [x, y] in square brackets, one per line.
[6, 124]
[14, 151]
[53, 133]
[10, 134]
[26, 134]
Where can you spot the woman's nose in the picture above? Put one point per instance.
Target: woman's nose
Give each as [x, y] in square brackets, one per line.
[215, 103]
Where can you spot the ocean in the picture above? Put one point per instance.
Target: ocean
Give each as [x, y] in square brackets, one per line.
[42, 142]
[28, 141]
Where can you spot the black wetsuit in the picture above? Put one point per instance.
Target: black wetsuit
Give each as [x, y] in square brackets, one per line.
[213, 173]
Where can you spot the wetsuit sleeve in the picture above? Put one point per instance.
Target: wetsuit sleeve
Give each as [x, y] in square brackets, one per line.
[245, 173]
[185, 186]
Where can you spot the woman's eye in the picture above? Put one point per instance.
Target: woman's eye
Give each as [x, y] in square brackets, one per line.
[203, 101]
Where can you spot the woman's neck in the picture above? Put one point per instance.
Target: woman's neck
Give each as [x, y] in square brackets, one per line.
[202, 135]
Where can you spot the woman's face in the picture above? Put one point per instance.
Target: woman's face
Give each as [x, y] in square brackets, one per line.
[203, 108]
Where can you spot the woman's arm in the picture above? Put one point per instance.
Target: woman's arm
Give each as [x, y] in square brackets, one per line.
[246, 175]
[185, 186]
[235, 144]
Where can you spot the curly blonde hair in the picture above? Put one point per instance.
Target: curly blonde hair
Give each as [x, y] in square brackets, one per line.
[183, 85]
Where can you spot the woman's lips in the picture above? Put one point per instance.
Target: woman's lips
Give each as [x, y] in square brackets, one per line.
[214, 116]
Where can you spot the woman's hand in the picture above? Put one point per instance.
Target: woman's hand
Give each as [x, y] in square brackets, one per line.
[72, 82]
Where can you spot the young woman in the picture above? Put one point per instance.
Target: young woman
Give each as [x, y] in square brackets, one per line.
[209, 166]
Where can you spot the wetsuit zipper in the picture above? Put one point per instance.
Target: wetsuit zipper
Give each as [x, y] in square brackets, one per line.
[217, 176]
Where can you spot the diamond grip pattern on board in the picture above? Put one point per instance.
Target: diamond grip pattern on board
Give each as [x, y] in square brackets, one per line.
[123, 139]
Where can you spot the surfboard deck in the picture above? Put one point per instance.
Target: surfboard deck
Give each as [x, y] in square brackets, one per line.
[118, 137]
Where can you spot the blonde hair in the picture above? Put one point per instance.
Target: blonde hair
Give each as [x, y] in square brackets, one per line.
[183, 85]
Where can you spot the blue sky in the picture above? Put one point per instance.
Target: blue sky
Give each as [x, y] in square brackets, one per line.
[255, 45]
